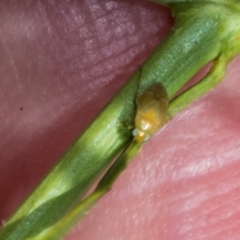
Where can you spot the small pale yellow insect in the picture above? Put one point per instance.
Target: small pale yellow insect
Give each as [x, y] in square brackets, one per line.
[152, 107]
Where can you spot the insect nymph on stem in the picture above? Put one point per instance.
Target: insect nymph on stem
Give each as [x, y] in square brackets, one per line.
[151, 114]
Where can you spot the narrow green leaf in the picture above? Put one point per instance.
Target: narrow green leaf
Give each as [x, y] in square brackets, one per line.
[204, 31]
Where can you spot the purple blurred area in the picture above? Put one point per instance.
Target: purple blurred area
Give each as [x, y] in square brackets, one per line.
[61, 62]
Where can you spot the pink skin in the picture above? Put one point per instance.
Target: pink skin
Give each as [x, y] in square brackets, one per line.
[60, 64]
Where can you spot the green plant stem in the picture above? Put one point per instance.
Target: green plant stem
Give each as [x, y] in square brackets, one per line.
[78, 212]
[203, 32]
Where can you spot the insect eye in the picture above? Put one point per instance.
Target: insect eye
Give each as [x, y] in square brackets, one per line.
[134, 132]
[146, 138]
